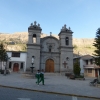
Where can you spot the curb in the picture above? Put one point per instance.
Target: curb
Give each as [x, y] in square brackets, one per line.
[51, 92]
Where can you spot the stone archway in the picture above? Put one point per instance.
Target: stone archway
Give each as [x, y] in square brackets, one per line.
[16, 67]
[49, 66]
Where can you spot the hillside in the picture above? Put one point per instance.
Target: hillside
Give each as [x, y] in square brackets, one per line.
[18, 40]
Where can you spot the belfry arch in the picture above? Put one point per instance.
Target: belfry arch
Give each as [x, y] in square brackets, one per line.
[34, 38]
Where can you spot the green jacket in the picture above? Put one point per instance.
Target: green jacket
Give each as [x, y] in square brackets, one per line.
[37, 75]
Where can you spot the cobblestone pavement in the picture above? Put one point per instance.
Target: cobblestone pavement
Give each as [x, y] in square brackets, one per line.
[53, 83]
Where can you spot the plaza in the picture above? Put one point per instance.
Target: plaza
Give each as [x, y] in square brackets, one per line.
[54, 83]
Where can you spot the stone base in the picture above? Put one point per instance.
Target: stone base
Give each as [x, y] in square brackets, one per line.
[97, 85]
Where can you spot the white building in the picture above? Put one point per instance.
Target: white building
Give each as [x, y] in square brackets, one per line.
[88, 66]
[17, 61]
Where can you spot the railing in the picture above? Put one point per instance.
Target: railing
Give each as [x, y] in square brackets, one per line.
[89, 66]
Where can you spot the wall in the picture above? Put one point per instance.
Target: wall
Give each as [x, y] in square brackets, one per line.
[22, 58]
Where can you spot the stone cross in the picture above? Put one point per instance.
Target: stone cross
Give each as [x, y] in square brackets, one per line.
[50, 33]
[65, 26]
[34, 22]
[64, 64]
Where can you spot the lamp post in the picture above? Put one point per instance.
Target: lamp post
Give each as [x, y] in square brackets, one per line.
[32, 64]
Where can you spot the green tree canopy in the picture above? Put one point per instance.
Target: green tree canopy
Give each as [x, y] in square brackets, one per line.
[3, 54]
[77, 68]
[96, 44]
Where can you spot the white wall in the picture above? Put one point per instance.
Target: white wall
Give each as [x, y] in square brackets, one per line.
[81, 65]
[22, 58]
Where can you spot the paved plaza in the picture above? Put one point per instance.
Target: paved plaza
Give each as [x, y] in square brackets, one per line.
[53, 83]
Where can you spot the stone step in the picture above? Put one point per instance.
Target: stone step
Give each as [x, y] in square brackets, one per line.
[53, 74]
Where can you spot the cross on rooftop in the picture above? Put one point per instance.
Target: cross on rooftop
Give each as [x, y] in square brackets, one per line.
[34, 22]
[50, 33]
[65, 26]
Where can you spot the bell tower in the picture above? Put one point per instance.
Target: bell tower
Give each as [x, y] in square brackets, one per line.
[33, 46]
[66, 49]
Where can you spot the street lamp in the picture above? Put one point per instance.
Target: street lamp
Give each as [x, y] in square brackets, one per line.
[32, 64]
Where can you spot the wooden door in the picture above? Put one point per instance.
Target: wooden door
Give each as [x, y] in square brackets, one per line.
[16, 67]
[96, 73]
[99, 72]
[49, 66]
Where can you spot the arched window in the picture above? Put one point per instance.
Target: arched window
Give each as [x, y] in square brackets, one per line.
[67, 40]
[50, 47]
[34, 38]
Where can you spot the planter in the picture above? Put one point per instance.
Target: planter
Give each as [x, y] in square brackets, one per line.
[72, 77]
[98, 85]
[79, 78]
[2, 71]
[67, 74]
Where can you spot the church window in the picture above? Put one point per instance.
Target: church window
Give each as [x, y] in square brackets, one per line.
[67, 41]
[34, 38]
[50, 48]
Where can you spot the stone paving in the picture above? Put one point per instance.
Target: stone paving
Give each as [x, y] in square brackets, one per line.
[53, 83]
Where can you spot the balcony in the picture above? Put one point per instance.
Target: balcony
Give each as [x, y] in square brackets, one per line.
[90, 66]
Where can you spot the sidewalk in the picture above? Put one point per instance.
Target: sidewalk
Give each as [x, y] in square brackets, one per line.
[53, 83]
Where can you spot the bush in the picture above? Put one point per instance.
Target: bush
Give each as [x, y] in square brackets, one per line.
[79, 76]
[77, 68]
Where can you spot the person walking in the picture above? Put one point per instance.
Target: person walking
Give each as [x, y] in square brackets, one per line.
[37, 76]
[42, 76]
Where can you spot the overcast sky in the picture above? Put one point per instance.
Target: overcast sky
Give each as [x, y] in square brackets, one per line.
[83, 16]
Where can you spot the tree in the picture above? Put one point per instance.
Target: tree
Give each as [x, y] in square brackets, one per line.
[96, 44]
[3, 53]
[77, 68]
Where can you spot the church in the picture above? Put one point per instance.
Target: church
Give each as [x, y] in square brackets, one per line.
[49, 53]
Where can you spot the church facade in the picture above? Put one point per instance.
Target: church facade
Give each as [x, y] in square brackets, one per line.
[49, 53]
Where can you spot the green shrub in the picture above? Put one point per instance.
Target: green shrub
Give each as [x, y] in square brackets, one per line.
[2, 71]
[79, 76]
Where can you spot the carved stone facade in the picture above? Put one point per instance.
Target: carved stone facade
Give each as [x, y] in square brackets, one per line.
[50, 53]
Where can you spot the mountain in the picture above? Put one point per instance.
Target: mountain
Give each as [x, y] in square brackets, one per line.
[17, 42]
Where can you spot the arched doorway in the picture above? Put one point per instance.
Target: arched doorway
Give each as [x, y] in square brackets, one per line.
[49, 66]
[16, 67]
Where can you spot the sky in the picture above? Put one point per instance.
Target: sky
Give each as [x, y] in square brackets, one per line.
[82, 16]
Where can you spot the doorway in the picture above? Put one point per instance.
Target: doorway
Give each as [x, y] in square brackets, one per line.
[49, 66]
[96, 73]
[16, 67]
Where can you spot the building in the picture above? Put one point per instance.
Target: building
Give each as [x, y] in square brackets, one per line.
[17, 61]
[88, 66]
[49, 53]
